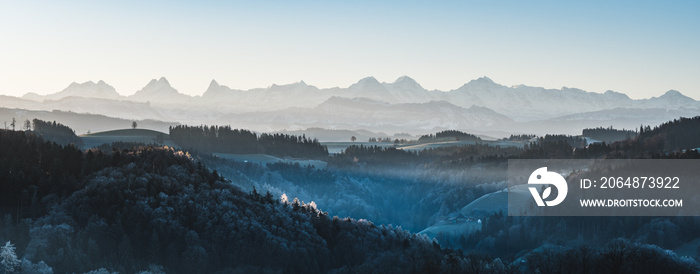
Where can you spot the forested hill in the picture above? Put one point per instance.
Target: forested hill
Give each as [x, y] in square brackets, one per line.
[56, 132]
[223, 139]
[156, 209]
[608, 135]
[448, 135]
[683, 133]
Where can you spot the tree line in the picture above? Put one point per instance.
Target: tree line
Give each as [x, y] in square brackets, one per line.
[448, 135]
[224, 139]
[609, 134]
[677, 139]
[56, 132]
[683, 133]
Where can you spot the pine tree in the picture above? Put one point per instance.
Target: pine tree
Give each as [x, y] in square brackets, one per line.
[9, 262]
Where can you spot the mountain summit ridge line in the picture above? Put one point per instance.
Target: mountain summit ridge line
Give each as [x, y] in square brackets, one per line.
[402, 80]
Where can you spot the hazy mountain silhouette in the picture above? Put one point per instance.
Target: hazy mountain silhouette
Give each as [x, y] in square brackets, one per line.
[90, 89]
[368, 114]
[402, 105]
[159, 92]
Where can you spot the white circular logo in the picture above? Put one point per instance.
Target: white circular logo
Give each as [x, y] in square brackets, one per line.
[542, 177]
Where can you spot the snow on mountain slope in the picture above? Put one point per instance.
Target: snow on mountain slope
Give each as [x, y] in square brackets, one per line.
[370, 88]
[524, 102]
[672, 99]
[215, 90]
[521, 103]
[407, 90]
[90, 89]
[159, 92]
[274, 97]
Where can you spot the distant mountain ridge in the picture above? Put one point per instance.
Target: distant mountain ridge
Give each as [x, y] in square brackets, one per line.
[160, 92]
[369, 114]
[90, 89]
[520, 102]
[401, 106]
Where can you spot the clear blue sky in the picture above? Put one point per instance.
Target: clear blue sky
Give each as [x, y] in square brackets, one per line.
[637, 47]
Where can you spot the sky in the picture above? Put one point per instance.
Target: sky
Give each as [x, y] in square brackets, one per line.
[641, 48]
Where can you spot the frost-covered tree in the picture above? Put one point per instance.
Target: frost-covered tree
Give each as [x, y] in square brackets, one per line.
[9, 262]
[101, 271]
[39, 268]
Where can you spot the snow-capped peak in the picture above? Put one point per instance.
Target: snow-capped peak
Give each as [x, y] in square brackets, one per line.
[674, 96]
[366, 83]
[369, 87]
[485, 83]
[158, 91]
[213, 84]
[673, 93]
[405, 79]
[368, 80]
[617, 95]
[88, 89]
[160, 84]
[215, 90]
[405, 82]
[483, 80]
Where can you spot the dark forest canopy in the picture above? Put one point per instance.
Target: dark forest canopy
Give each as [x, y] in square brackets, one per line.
[224, 139]
[448, 135]
[683, 133]
[152, 208]
[679, 138]
[373, 156]
[56, 132]
[156, 208]
[675, 139]
[520, 137]
[609, 134]
[438, 157]
[130, 207]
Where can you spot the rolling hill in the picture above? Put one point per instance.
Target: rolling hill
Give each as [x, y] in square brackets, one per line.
[138, 135]
[81, 123]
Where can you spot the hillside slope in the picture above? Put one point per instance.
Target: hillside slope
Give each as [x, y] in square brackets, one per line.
[155, 208]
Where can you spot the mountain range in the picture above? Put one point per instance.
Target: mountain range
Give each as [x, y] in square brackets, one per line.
[480, 105]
